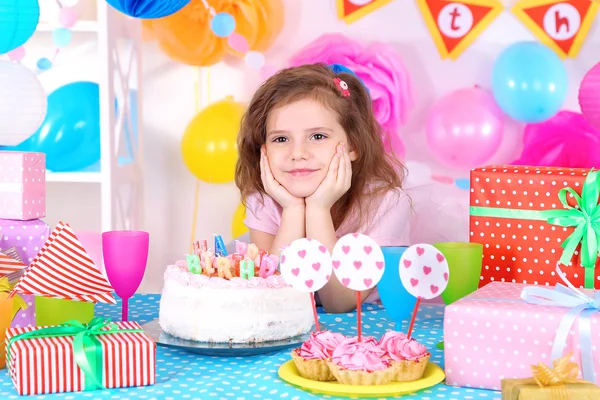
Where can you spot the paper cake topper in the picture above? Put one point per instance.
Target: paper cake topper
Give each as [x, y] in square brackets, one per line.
[358, 262]
[62, 269]
[424, 271]
[306, 265]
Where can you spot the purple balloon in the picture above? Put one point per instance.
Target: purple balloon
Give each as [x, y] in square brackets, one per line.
[465, 128]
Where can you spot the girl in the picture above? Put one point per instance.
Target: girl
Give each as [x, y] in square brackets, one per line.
[312, 164]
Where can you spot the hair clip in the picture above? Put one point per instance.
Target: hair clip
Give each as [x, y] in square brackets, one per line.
[343, 86]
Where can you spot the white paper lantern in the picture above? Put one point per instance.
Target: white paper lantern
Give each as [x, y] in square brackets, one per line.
[23, 103]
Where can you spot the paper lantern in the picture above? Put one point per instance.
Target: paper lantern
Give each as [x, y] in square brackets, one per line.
[22, 103]
[148, 8]
[17, 22]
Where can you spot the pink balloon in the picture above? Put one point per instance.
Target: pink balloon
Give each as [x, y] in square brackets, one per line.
[267, 71]
[17, 54]
[589, 98]
[238, 42]
[465, 128]
[67, 17]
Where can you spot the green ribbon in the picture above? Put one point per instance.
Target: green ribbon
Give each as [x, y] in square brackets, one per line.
[585, 217]
[87, 349]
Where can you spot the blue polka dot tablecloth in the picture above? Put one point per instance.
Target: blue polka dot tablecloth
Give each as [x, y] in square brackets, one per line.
[181, 375]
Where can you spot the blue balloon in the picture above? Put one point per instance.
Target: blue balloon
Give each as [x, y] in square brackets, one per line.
[148, 8]
[18, 20]
[61, 37]
[70, 133]
[222, 24]
[529, 82]
[398, 303]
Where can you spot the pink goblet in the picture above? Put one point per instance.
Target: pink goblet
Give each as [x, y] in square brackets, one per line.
[125, 257]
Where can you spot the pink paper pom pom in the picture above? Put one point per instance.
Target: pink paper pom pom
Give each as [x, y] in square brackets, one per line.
[566, 140]
[382, 71]
[589, 96]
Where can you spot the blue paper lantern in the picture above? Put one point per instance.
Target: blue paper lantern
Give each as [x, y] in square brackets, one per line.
[148, 9]
[18, 20]
[222, 24]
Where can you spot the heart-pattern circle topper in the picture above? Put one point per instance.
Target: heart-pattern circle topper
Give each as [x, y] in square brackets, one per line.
[358, 262]
[306, 265]
[424, 271]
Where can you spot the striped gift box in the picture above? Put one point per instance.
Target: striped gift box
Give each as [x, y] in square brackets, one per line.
[47, 365]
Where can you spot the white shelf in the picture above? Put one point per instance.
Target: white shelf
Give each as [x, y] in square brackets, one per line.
[80, 26]
[82, 177]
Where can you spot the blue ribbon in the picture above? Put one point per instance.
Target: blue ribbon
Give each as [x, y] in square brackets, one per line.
[581, 308]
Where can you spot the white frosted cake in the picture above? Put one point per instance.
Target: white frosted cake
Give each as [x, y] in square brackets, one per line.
[208, 308]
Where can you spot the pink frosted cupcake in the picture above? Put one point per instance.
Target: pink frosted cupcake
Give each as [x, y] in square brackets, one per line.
[361, 363]
[312, 357]
[407, 355]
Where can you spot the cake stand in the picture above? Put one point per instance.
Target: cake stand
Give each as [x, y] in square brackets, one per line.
[162, 338]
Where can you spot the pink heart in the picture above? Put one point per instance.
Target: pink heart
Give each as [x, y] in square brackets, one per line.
[316, 266]
[446, 276]
[327, 277]
[439, 257]
[434, 289]
[302, 253]
[355, 235]
[345, 281]
[336, 264]
[414, 282]
[379, 264]
[322, 248]
[308, 283]
[420, 251]
[368, 282]
[427, 270]
[368, 249]
[357, 264]
[407, 263]
[346, 249]
[282, 258]
[296, 271]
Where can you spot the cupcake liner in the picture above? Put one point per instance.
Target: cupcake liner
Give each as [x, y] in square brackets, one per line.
[349, 377]
[407, 371]
[316, 370]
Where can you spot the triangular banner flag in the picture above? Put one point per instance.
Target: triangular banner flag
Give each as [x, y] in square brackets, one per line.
[562, 25]
[62, 269]
[353, 10]
[454, 25]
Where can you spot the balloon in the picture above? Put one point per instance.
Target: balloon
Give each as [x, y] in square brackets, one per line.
[61, 37]
[589, 100]
[23, 103]
[209, 145]
[18, 22]
[529, 82]
[222, 24]
[67, 17]
[70, 134]
[238, 43]
[254, 59]
[397, 301]
[148, 8]
[17, 54]
[44, 63]
[465, 128]
[237, 225]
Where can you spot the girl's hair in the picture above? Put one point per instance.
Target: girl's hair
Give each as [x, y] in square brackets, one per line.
[374, 172]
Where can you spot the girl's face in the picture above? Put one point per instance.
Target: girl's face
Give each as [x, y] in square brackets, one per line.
[300, 144]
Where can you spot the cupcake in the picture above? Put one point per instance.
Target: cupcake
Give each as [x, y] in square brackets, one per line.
[311, 358]
[361, 363]
[407, 355]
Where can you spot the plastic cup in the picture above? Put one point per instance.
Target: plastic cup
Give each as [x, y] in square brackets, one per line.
[464, 262]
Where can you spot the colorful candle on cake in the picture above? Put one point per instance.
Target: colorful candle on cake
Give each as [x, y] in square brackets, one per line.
[246, 269]
[241, 247]
[220, 249]
[193, 263]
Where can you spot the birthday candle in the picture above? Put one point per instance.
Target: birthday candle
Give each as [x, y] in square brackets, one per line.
[193, 262]
[220, 249]
[241, 247]
[203, 245]
[252, 251]
[224, 267]
[268, 266]
[236, 259]
[247, 269]
[208, 262]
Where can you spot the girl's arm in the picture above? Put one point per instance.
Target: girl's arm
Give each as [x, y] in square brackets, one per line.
[291, 228]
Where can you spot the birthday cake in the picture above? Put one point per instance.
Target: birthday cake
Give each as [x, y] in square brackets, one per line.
[236, 298]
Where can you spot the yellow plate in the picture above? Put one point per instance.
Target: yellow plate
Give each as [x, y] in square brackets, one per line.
[432, 376]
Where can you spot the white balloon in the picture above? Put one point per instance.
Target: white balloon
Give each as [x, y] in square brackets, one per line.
[69, 3]
[23, 103]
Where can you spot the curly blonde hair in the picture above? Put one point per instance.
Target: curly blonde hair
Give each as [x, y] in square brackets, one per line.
[374, 173]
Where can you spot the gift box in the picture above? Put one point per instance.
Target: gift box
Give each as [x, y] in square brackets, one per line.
[531, 218]
[76, 357]
[22, 185]
[494, 334]
[26, 238]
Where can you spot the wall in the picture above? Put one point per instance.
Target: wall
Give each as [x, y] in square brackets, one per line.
[169, 95]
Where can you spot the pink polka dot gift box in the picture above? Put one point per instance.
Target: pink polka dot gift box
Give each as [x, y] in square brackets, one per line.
[530, 218]
[499, 331]
[22, 185]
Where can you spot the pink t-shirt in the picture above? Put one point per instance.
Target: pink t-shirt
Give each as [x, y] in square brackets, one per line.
[390, 225]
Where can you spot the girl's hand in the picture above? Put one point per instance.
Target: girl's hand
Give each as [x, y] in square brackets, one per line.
[336, 183]
[274, 188]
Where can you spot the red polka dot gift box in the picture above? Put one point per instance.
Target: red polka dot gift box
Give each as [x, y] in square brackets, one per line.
[531, 218]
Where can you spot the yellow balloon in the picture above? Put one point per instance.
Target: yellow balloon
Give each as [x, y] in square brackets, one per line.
[237, 225]
[209, 143]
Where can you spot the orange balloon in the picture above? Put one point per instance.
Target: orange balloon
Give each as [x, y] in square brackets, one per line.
[186, 35]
